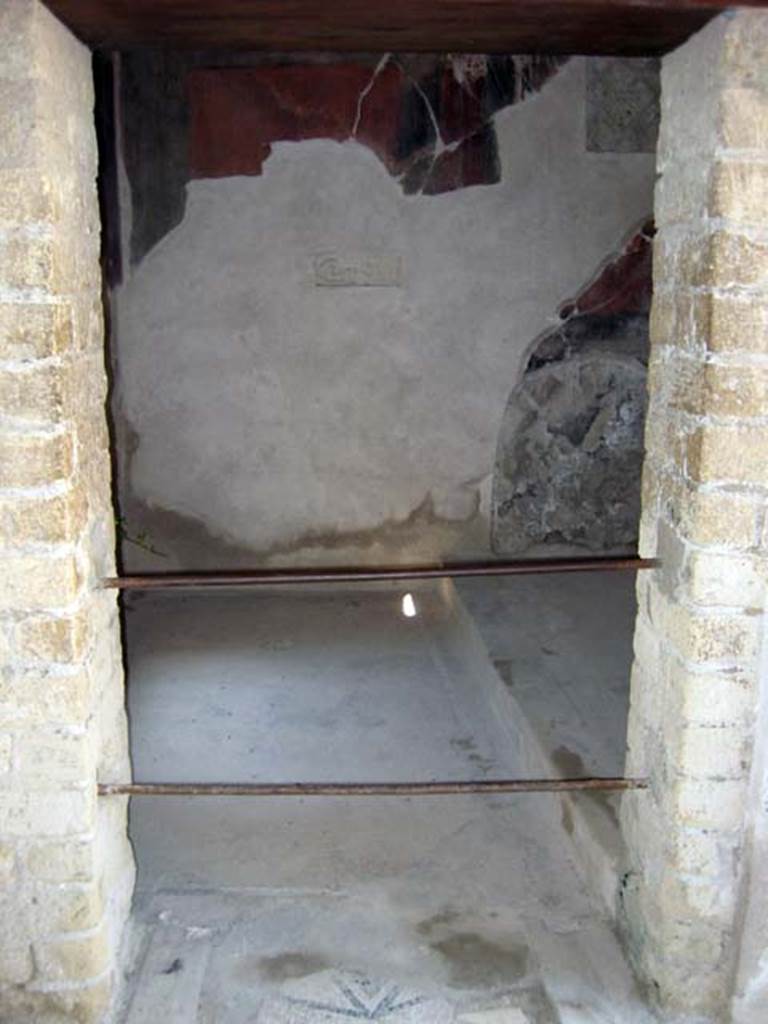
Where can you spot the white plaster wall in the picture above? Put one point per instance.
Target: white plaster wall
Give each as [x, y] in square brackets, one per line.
[268, 409]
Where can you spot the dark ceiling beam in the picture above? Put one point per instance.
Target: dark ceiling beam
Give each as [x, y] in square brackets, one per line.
[629, 27]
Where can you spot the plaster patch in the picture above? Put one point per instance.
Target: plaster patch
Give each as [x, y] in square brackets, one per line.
[623, 105]
[304, 424]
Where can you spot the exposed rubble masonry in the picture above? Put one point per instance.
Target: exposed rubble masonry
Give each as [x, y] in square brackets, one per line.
[571, 444]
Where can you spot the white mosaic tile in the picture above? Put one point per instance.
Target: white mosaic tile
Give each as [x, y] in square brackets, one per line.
[501, 1015]
[346, 995]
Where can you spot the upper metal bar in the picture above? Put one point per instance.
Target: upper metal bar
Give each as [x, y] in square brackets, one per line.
[441, 788]
[341, 574]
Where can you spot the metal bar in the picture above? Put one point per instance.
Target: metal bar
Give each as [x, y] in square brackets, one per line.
[262, 577]
[364, 788]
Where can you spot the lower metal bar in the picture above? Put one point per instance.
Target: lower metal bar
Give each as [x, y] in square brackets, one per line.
[363, 788]
[262, 577]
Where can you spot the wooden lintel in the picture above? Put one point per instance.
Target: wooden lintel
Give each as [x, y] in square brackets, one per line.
[629, 27]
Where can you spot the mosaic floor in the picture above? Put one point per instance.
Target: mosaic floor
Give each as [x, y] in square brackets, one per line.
[431, 910]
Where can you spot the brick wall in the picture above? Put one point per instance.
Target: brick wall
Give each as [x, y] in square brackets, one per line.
[65, 865]
[696, 676]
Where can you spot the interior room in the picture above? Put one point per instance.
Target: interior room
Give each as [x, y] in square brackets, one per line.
[383, 493]
[372, 311]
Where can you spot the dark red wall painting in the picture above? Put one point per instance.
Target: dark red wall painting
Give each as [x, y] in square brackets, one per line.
[622, 285]
[429, 119]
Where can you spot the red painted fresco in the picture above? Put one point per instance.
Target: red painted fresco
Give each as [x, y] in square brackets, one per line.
[430, 121]
[623, 285]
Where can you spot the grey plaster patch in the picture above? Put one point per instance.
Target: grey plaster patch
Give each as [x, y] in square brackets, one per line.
[622, 104]
[276, 414]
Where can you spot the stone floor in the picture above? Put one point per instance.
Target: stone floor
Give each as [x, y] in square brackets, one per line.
[415, 911]
[563, 645]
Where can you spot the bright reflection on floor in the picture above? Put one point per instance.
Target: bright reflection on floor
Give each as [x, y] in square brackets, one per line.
[409, 606]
